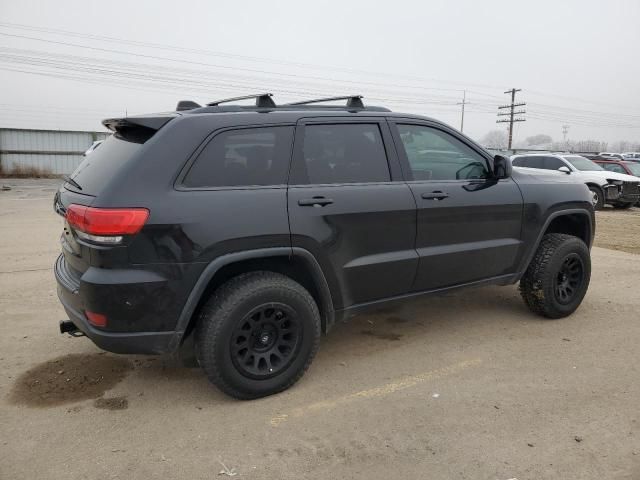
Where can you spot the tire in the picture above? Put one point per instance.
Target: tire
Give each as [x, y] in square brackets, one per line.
[598, 203]
[257, 334]
[622, 206]
[558, 277]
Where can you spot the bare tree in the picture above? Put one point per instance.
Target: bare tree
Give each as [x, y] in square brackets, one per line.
[495, 139]
[539, 139]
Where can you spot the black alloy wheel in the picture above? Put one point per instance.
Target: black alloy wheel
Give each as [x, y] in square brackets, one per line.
[569, 279]
[265, 340]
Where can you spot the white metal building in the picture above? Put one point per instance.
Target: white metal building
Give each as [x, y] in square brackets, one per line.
[58, 151]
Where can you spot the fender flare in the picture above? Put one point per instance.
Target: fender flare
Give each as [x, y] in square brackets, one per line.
[328, 317]
[550, 218]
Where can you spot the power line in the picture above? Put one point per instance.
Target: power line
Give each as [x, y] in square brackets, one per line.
[159, 46]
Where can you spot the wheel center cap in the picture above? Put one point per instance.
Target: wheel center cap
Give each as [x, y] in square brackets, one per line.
[264, 339]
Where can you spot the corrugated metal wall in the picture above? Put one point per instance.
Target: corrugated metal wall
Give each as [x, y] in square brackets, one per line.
[58, 152]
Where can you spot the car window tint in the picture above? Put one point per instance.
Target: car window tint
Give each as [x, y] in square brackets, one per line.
[342, 153]
[519, 162]
[529, 162]
[552, 163]
[243, 157]
[436, 155]
[612, 167]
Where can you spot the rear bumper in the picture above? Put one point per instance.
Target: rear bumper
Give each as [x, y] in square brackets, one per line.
[118, 342]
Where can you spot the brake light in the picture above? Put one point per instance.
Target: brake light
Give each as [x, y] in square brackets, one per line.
[106, 224]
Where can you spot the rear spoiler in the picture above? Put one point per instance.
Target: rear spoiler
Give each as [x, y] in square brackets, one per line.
[154, 122]
[138, 129]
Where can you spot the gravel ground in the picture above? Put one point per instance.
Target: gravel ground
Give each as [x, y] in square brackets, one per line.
[463, 386]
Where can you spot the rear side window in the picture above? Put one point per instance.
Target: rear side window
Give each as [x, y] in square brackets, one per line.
[243, 157]
[529, 162]
[102, 164]
[552, 163]
[612, 167]
[342, 153]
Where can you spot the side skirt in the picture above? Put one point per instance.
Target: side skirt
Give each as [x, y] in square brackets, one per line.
[346, 313]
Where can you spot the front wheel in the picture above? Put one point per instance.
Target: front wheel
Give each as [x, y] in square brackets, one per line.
[598, 197]
[558, 277]
[257, 334]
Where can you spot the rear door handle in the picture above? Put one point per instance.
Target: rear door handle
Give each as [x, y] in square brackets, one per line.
[435, 195]
[315, 202]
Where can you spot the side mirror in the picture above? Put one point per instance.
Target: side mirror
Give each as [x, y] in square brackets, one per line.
[565, 170]
[502, 167]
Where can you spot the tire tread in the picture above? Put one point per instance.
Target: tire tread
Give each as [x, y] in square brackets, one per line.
[533, 282]
[221, 304]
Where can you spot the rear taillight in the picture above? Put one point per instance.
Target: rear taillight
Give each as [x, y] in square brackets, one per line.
[96, 319]
[105, 225]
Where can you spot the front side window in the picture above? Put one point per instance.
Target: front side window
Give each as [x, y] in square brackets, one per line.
[634, 168]
[243, 157]
[342, 153]
[436, 155]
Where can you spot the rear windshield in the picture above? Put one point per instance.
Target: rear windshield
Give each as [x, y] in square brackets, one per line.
[102, 164]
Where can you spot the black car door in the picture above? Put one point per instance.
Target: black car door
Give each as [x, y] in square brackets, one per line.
[349, 206]
[468, 222]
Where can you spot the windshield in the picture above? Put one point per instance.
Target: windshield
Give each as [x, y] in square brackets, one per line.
[583, 164]
[634, 168]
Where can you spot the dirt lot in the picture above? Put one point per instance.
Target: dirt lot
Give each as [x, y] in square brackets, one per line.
[464, 386]
[619, 230]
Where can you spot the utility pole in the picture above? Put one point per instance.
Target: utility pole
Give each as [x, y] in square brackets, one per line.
[463, 103]
[511, 113]
[565, 130]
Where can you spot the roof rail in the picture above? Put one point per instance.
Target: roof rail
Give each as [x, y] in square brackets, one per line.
[353, 101]
[263, 100]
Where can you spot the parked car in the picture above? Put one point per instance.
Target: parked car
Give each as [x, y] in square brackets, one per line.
[632, 156]
[619, 190]
[620, 166]
[617, 156]
[244, 232]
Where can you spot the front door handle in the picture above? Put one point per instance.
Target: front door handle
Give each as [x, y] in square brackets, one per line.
[437, 195]
[315, 202]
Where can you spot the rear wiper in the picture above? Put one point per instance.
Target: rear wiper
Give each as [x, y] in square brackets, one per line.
[70, 180]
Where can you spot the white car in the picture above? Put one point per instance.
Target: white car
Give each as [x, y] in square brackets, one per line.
[613, 156]
[617, 189]
[632, 156]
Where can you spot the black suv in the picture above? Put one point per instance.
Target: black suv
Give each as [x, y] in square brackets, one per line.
[244, 232]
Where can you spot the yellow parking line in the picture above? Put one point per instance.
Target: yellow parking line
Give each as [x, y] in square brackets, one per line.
[375, 392]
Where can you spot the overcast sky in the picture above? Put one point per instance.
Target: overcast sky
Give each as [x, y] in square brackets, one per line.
[575, 61]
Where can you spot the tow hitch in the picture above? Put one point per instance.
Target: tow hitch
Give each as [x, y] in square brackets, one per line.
[67, 326]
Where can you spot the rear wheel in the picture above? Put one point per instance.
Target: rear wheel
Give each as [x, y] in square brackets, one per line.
[598, 197]
[257, 334]
[558, 276]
